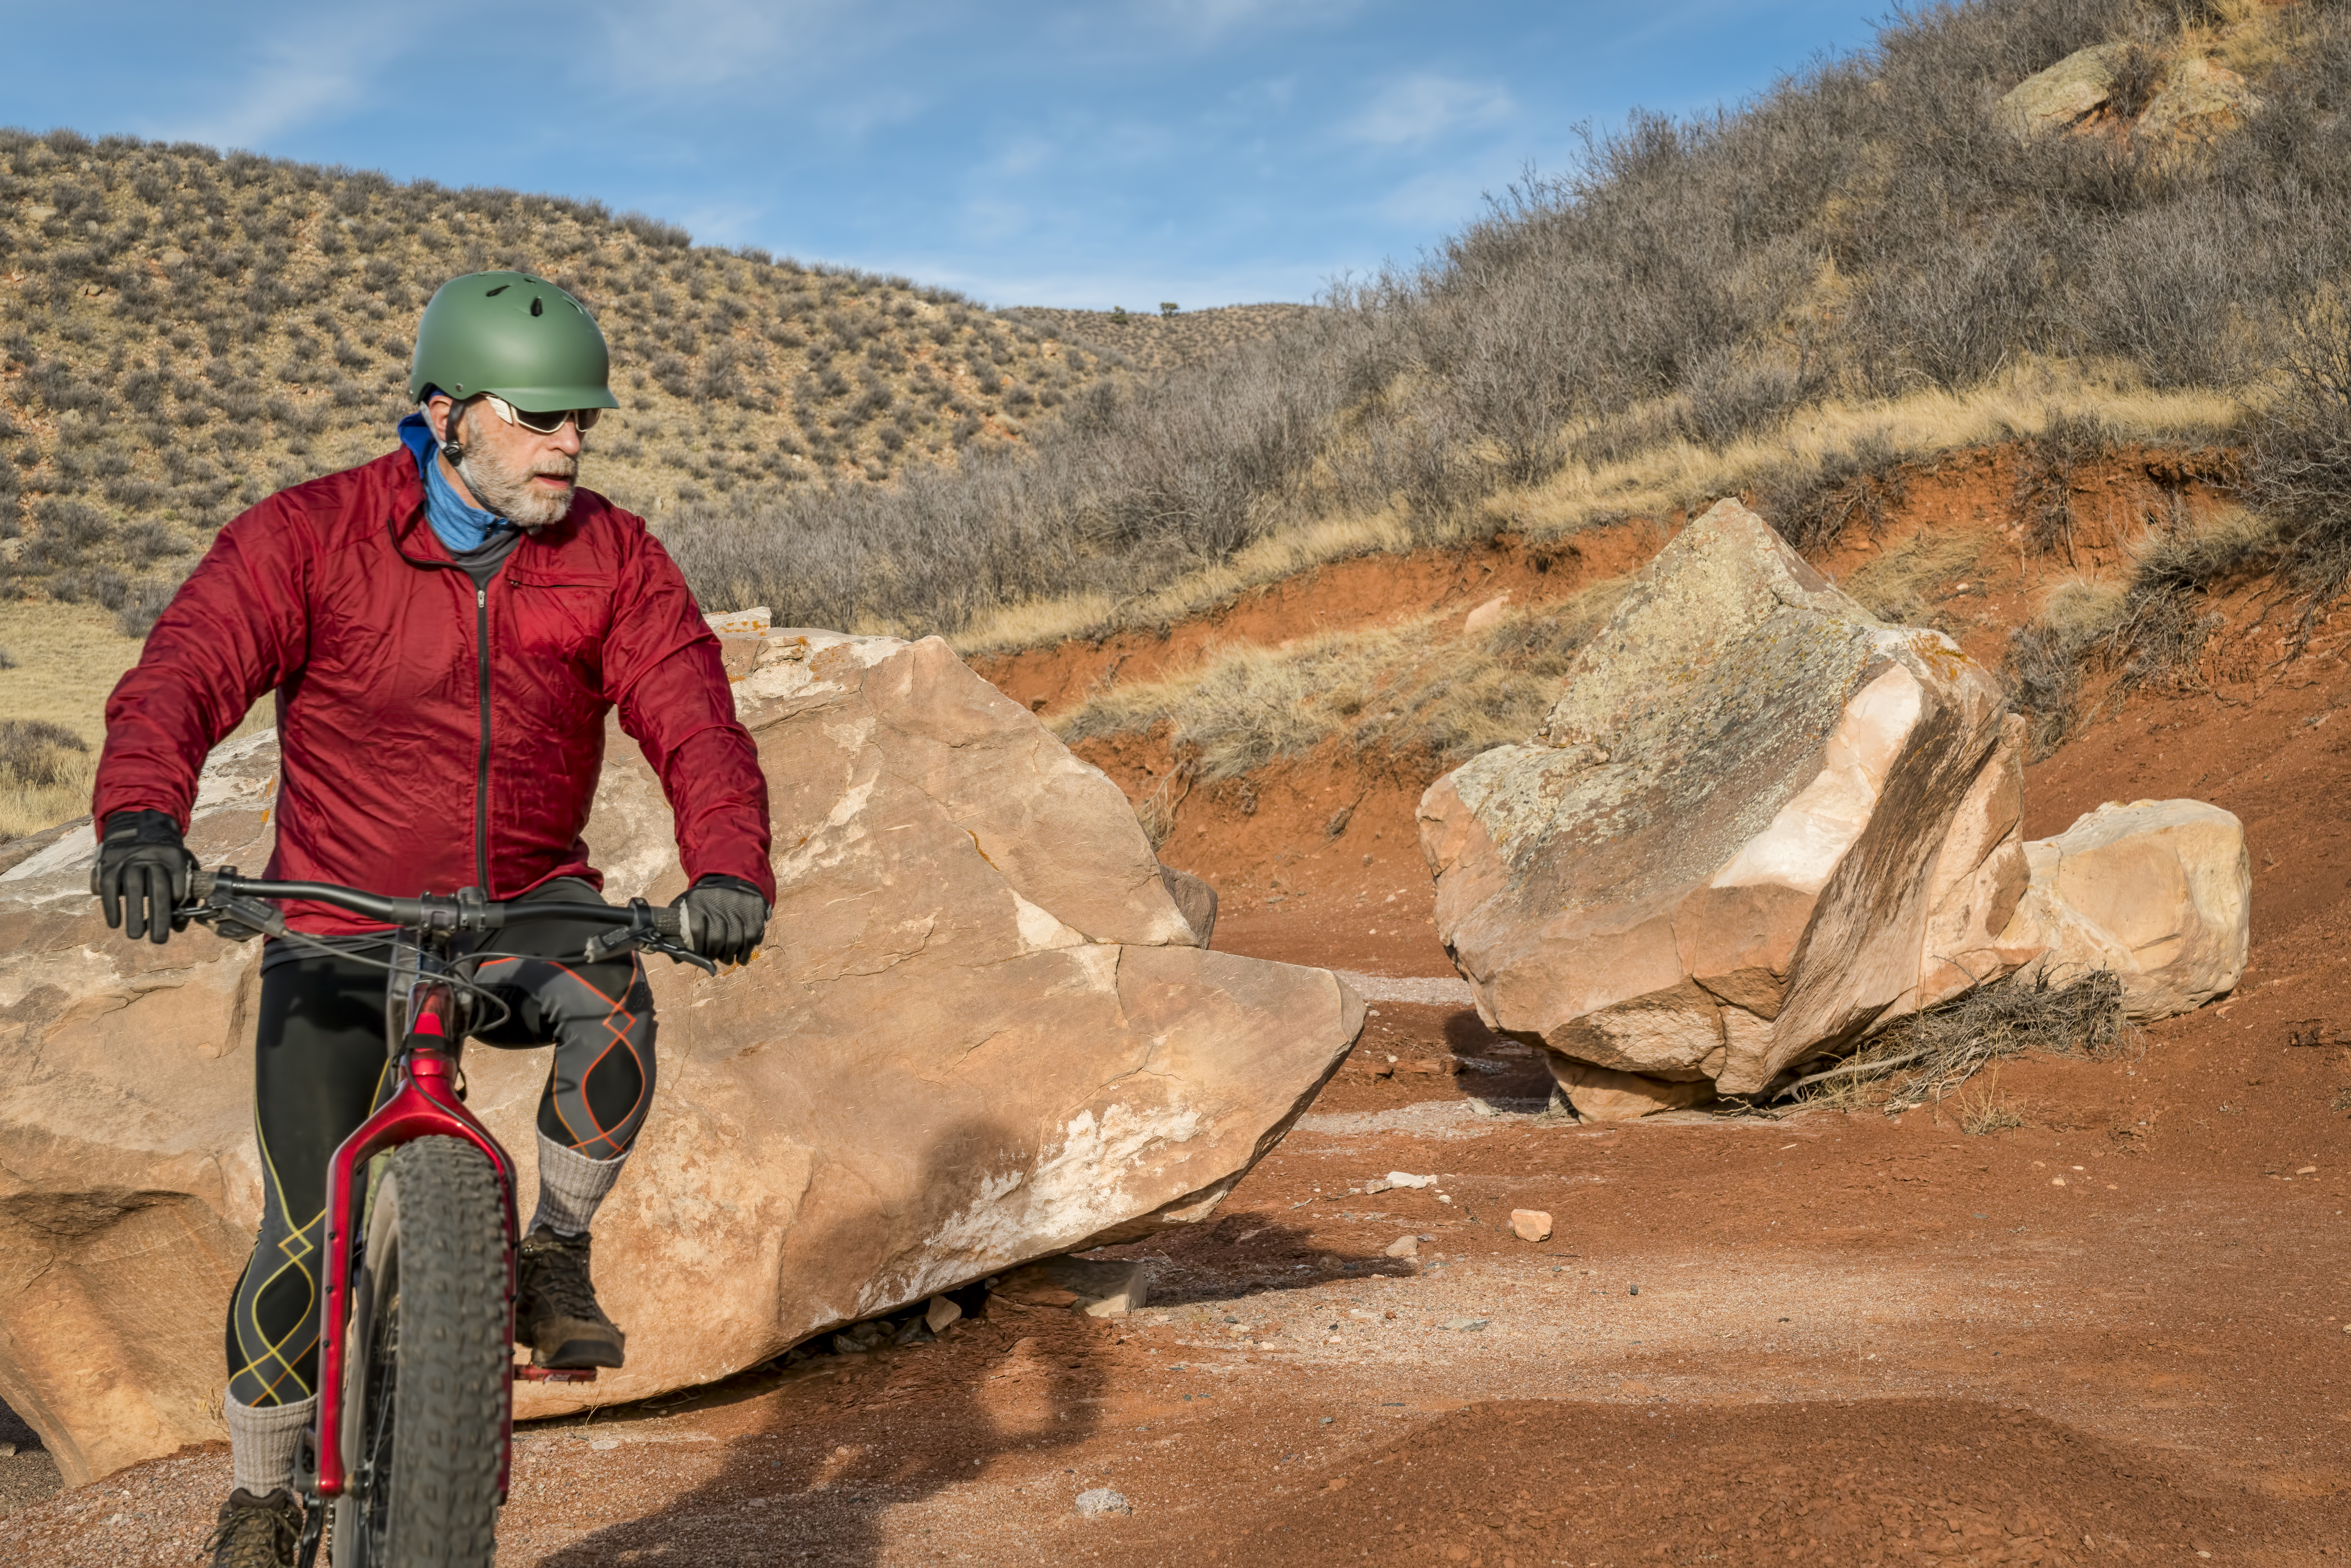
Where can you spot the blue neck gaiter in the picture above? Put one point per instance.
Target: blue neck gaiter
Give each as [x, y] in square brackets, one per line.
[463, 529]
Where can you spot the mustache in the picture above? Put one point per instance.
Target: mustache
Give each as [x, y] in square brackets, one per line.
[558, 468]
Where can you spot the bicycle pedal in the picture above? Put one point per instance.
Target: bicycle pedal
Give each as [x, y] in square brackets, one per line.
[526, 1373]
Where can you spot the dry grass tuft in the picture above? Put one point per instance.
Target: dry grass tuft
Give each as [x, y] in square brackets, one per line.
[1417, 688]
[1984, 1111]
[2149, 626]
[1894, 586]
[2302, 459]
[1927, 1055]
[45, 772]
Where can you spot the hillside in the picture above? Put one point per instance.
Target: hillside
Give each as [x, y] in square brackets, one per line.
[1891, 255]
[1160, 341]
[185, 332]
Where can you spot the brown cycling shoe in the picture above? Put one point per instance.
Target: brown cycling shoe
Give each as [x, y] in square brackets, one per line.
[257, 1532]
[555, 1305]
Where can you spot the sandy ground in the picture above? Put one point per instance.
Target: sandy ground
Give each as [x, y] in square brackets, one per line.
[2116, 1334]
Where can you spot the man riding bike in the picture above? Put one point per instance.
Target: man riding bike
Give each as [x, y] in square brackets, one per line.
[446, 629]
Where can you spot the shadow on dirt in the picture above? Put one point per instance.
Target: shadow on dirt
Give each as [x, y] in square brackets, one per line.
[824, 1446]
[1245, 1255]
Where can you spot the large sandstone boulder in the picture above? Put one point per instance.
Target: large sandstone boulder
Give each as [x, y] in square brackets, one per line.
[2159, 892]
[981, 1032]
[1758, 825]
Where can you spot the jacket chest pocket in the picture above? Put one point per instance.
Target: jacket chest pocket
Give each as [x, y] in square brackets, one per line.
[562, 620]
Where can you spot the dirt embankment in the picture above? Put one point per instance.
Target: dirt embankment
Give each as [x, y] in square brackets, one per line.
[1317, 856]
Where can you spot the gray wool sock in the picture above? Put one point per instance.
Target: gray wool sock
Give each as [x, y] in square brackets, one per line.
[262, 1439]
[570, 1186]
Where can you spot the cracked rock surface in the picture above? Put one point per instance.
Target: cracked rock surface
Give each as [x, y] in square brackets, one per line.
[1759, 824]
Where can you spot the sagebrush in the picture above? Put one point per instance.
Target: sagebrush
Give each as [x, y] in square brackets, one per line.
[1924, 1057]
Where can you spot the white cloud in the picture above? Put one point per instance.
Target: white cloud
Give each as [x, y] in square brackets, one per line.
[697, 44]
[1418, 108]
[318, 68]
[833, 66]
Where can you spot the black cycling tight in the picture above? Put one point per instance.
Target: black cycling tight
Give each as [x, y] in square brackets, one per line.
[318, 1065]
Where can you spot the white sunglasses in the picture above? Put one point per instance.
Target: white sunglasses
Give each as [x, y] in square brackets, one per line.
[543, 424]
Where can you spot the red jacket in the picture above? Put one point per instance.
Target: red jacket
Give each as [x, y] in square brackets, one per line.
[406, 765]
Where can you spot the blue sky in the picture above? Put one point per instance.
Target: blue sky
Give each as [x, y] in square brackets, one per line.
[1110, 152]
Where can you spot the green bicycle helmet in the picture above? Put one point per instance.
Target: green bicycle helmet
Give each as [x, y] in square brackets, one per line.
[513, 334]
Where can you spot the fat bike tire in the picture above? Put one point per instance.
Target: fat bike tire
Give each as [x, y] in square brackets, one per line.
[428, 1359]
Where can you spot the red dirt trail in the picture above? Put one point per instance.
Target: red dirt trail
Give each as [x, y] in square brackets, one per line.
[2119, 1333]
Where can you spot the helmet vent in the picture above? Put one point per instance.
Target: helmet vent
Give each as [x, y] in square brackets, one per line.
[539, 306]
[501, 289]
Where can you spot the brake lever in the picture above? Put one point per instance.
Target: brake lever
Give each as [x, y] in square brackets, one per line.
[640, 934]
[677, 955]
[237, 918]
[602, 947]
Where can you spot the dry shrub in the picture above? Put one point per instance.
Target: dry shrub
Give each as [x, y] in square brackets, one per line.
[2301, 469]
[2048, 463]
[2046, 656]
[2150, 627]
[1895, 585]
[46, 772]
[2138, 74]
[1812, 501]
[1156, 812]
[1924, 1056]
[2166, 622]
[1984, 1109]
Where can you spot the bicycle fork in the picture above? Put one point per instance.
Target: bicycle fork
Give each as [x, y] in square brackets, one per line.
[426, 1104]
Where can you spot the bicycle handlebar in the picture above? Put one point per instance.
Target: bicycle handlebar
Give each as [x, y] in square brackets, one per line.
[466, 911]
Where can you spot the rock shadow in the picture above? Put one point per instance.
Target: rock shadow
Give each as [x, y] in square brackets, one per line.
[841, 1438]
[1249, 1255]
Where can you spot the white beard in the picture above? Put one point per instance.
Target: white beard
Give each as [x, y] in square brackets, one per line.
[509, 492]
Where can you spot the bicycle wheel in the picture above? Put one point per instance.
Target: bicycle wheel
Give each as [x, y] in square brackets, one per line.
[429, 1349]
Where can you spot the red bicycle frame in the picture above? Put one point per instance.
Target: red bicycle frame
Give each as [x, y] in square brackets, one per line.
[425, 1106]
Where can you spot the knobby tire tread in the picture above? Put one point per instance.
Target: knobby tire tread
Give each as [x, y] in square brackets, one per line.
[456, 1353]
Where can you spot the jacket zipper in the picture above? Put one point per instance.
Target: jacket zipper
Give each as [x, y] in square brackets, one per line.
[482, 764]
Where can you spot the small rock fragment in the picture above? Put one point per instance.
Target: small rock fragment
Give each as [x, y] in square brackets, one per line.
[1404, 1247]
[1405, 1179]
[1100, 1501]
[942, 1313]
[1531, 1224]
[1466, 1325]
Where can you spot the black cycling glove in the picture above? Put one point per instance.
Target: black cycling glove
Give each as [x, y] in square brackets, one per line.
[141, 875]
[725, 918]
